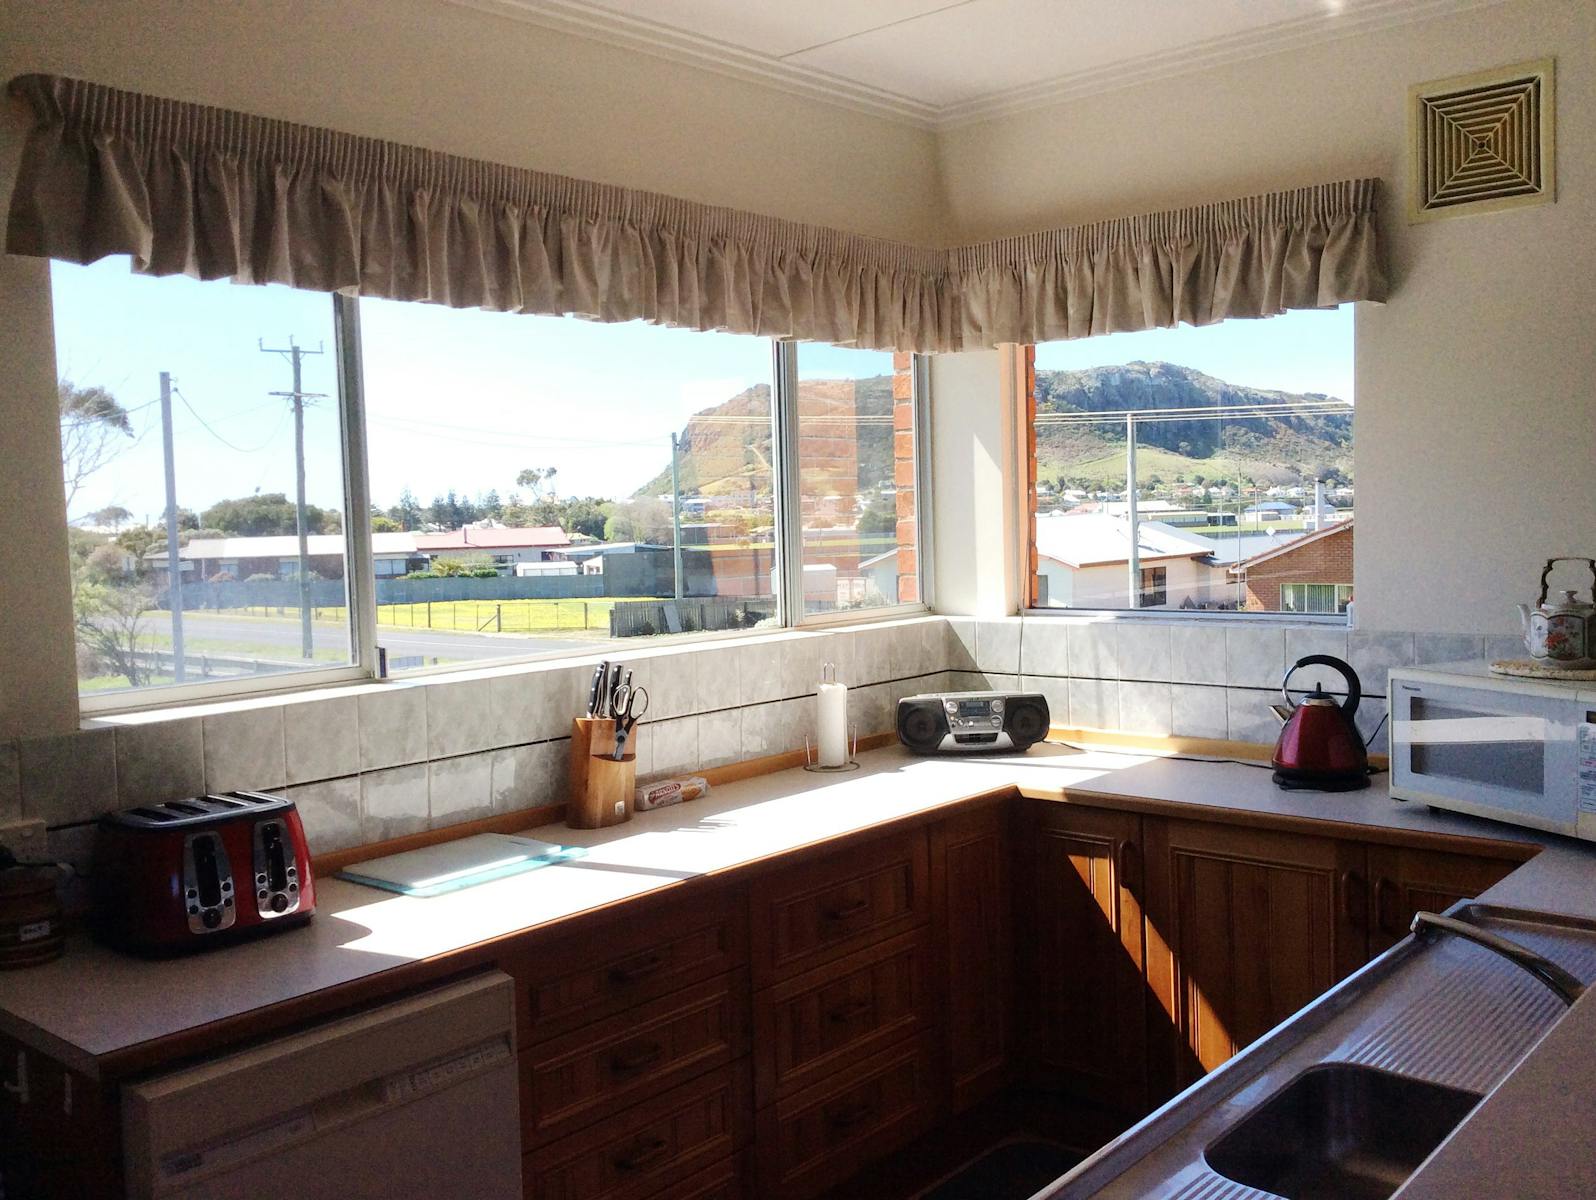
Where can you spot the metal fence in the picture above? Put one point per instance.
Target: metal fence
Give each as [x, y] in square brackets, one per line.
[644, 618]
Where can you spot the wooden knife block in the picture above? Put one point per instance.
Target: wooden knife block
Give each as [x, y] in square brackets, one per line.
[601, 788]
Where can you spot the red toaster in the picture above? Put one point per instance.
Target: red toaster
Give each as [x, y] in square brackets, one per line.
[193, 873]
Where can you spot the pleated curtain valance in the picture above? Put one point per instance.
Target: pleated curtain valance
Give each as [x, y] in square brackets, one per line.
[188, 189]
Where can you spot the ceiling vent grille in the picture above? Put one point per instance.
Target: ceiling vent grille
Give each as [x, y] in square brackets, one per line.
[1482, 143]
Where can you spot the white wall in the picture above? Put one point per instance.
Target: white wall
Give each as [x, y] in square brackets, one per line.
[1476, 384]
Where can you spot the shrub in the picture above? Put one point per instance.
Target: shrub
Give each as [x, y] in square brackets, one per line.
[261, 577]
[223, 577]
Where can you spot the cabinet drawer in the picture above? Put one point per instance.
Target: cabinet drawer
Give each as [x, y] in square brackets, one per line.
[826, 1019]
[647, 1149]
[583, 977]
[827, 907]
[820, 1136]
[723, 1181]
[581, 1077]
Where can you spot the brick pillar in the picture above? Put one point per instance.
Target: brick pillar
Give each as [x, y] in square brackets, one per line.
[903, 474]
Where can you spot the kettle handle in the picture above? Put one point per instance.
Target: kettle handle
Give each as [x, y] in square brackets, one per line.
[1354, 688]
[1546, 575]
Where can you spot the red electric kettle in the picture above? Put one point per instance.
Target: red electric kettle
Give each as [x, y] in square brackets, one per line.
[1320, 748]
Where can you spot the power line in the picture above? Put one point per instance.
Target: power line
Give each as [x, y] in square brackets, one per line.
[176, 391]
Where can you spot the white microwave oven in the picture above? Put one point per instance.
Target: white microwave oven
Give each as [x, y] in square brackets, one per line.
[1512, 749]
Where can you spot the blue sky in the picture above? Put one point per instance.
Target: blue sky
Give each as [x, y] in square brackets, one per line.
[465, 399]
[1309, 351]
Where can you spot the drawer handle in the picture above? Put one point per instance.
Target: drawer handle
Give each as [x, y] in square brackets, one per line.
[850, 1117]
[643, 1153]
[1384, 893]
[847, 1012]
[844, 911]
[1353, 905]
[645, 1055]
[640, 968]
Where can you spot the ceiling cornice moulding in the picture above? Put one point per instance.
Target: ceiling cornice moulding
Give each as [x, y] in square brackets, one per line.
[660, 41]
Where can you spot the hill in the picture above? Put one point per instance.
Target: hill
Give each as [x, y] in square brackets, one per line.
[726, 447]
[728, 444]
[1256, 448]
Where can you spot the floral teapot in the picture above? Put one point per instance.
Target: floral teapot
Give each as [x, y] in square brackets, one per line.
[1561, 633]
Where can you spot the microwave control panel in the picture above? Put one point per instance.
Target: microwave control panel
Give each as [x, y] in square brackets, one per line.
[1587, 764]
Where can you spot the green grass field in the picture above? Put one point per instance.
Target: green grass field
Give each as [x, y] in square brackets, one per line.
[461, 616]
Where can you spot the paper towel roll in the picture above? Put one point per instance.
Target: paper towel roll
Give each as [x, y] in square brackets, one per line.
[831, 721]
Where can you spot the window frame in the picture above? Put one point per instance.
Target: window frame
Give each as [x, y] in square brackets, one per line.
[359, 594]
[1025, 380]
[360, 567]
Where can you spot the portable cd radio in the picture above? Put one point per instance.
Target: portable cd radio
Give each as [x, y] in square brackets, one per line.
[970, 722]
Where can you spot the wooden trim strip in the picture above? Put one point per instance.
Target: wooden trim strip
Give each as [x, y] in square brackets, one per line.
[1207, 747]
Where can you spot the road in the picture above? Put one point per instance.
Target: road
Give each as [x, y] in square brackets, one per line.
[427, 644]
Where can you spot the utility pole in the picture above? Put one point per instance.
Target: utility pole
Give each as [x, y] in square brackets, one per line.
[676, 511]
[174, 565]
[1134, 560]
[294, 353]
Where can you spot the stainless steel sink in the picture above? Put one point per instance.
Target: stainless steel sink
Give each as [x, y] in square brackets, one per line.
[1340, 1130]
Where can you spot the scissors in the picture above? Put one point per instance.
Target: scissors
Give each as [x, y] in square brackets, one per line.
[628, 704]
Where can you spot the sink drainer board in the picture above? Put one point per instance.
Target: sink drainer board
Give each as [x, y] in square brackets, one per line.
[1440, 1017]
[1473, 1031]
[1340, 1131]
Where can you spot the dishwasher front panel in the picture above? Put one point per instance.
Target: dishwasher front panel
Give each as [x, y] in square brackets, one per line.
[417, 1098]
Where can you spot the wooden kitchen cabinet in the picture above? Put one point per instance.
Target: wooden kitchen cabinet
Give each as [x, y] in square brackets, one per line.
[55, 1125]
[972, 907]
[1404, 880]
[1082, 989]
[1244, 927]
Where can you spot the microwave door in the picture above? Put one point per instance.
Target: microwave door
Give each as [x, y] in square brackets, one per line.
[1489, 753]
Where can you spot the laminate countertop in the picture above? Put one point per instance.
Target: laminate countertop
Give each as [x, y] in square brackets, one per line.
[94, 1003]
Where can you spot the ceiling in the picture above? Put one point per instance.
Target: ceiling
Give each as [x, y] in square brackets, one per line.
[937, 63]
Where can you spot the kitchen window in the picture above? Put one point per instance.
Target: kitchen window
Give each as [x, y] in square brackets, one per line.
[534, 486]
[203, 443]
[1186, 470]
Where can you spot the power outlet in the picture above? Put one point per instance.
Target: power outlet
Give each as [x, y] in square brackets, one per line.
[25, 839]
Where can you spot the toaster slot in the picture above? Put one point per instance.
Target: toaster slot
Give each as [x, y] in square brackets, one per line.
[276, 870]
[207, 884]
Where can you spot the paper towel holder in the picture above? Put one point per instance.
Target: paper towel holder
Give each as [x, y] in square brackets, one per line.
[853, 754]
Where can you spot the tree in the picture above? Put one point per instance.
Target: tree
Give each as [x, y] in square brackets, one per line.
[111, 628]
[95, 428]
[536, 478]
[112, 514]
[408, 513]
[139, 539]
[644, 520]
[267, 513]
[879, 515]
[489, 504]
[382, 523]
[469, 566]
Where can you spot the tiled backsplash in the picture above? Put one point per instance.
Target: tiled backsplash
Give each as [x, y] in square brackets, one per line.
[380, 760]
[1198, 679]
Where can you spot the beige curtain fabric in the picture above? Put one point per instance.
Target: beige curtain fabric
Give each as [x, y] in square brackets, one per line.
[184, 188]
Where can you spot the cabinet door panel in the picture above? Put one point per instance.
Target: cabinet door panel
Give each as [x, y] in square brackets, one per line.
[1245, 927]
[1404, 881]
[1084, 991]
[970, 856]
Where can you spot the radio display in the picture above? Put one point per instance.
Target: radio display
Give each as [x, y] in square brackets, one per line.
[974, 708]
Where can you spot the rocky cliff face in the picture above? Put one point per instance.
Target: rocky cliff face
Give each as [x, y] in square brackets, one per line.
[1274, 442]
[726, 448]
